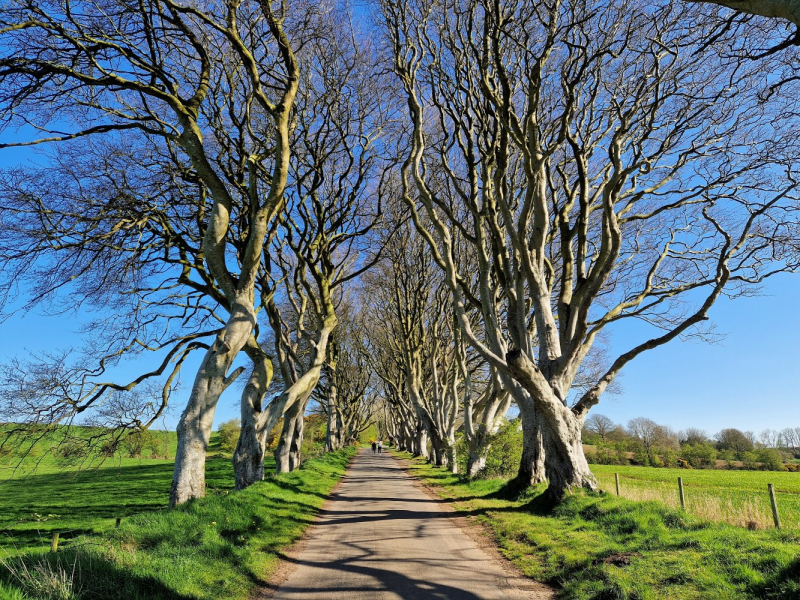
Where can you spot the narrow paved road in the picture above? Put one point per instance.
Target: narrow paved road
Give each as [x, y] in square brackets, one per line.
[382, 538]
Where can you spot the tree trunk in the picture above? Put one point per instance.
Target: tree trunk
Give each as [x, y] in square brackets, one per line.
[194, 427]
[532, 464]
[296, 447]
[248, 459]
[452, 456]
[477, 450]
[283, 450]
[421, 442]
[407, 439]
[438, 454]
[333, 434]
[565, 462]
[557, 427]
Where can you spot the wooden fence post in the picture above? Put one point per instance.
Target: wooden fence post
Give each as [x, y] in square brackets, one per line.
[616, 478]
[774, 504]
[680, 489]
[54, 543]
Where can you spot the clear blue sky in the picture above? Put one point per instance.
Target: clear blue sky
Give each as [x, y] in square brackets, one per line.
[749, 380]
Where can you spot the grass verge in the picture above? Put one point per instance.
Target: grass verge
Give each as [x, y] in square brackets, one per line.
[600, 547]
[221, 546]
[734, 497]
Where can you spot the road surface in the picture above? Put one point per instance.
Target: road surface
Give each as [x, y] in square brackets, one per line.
[380, 537]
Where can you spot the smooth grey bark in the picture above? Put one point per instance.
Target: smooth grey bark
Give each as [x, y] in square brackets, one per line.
[482, 420]
[532, 463]
[248, 458]
[421, 442]
[296, 446]
[334, 436]
[476, 458]
[194, 427]
[284, 449]
[551, 433]
[781, 9]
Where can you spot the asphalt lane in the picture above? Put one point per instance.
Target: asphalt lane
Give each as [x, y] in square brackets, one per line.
[381, 538]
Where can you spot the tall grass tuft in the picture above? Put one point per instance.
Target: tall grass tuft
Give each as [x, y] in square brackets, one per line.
[40, 577]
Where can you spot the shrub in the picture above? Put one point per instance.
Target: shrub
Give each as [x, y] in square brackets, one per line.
[505, 451]
[603, 456]
[136, 442]
[71, 450]
[109, 447]
[229, 435]
[669, 457]
[770, 459]
[728, 456]
[749, 460]
[699, 455]
[641, 458]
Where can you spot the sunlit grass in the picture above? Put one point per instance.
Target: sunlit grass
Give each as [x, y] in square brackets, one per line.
[734, 497]
[222, 546]
[73, 501]
[598, 546]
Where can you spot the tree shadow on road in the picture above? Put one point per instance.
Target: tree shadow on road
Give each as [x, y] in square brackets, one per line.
[378, 579]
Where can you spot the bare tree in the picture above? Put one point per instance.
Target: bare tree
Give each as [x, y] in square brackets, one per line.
[334, 201]
[693, 435]
[790, 438]
[734, 439]
[769, 438]
[600, 424]
[347, 393]
[582, 151]
[651, 435]
[151, 72]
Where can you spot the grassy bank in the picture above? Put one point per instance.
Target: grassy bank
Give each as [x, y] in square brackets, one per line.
[599, 547]
[222, 546]
[44, 494]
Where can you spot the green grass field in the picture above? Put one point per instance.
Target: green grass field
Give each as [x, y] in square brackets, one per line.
[735, 497]
[44, 494]
[599, 547]
[228, 541]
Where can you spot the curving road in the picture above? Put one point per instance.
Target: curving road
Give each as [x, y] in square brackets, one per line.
[380, 538]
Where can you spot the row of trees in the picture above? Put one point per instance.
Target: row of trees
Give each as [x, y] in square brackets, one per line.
[571, 166]
[422, 212]
[215, 185]
[657, 445]
[600, 426]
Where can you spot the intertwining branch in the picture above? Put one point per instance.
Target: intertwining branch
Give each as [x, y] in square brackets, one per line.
[601, 169]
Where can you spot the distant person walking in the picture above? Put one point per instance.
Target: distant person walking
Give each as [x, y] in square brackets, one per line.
[374, 446]
[380, 446]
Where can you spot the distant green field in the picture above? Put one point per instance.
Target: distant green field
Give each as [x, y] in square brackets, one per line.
[73, 501]
[736, 497]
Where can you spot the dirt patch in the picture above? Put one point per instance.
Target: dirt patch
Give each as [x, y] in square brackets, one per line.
[618, 559]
